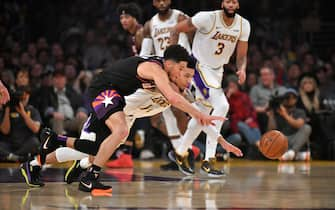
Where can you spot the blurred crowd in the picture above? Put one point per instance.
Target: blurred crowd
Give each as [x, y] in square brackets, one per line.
[50, 51]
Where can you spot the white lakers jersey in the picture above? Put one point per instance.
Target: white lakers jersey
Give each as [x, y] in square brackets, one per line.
[160, 32]
[214, 42]
[145, 103]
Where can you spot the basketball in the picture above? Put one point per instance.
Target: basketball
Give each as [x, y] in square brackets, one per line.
[273, 144]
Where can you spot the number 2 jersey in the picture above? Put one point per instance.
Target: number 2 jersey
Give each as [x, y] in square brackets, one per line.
[214, 42]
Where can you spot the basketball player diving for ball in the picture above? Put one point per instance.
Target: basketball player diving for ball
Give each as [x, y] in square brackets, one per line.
[107, 93]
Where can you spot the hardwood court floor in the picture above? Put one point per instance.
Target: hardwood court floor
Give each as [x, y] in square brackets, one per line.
[248, 185]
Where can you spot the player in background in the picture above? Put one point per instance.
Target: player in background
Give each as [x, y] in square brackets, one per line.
[217, 35]
[156, 39]
[130, 15]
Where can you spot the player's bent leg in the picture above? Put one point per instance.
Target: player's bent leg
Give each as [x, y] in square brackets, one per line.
[117, 124]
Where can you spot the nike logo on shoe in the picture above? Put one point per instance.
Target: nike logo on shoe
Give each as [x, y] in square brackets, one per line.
[89, 186]
[46, 143]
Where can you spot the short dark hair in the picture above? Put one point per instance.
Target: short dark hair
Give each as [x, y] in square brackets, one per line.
[176, 53]
[131, 9]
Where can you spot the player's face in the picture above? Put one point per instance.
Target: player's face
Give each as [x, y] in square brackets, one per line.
[175, 69]
[185, 78]
[162, 6]
[229, 7]
[126, 21]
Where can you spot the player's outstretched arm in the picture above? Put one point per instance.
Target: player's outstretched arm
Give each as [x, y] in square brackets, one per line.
[152, 71]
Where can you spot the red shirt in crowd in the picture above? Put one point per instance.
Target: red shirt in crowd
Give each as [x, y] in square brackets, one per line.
[241, 109]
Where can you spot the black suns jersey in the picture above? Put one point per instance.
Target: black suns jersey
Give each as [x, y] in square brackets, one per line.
[122, 75]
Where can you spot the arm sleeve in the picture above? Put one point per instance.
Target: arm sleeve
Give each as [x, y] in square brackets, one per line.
[245, 30]
[147, 47]
[203, 21]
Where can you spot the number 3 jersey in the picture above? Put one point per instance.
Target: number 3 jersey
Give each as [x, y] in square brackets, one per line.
[160, 32]
[214, 42]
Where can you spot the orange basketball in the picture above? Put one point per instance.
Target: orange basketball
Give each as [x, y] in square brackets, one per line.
[273, 144]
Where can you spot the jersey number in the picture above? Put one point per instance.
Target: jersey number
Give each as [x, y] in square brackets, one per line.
[220, 48]
[164, 42]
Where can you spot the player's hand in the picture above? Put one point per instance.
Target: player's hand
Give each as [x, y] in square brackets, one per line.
[229, 147]
[4, 95]
[205, 119]
[241, 76]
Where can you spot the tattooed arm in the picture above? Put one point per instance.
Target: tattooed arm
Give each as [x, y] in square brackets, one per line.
[183, 26]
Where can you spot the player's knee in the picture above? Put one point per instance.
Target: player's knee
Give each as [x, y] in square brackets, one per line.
[121, 133]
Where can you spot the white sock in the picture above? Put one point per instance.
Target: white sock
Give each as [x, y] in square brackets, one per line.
[192, 132]
[210, 148]
[85, 163]
[34, 162]
[171, 123]
[64, 154]
[175, 142]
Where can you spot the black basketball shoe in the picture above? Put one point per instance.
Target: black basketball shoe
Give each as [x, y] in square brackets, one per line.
[72, 174]
[31, 174]
[48, 139]
[89, 183]
[209, 169]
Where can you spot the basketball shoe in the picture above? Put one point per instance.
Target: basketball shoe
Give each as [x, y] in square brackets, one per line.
[288, 156]
[48, 139]
[89, 183]
[183, 164]
[72, 174]
[209, 169]
[31, 174]
[192, 155]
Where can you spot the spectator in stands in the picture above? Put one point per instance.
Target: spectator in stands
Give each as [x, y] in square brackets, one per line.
[261, 94]
[97, 54]
[32, 50]
[20, 122]
[22, 77]
[292, 76]
[35, 76]
[243, 117]
[310, 102]
[251, 81]
[291, 121]
[62, 107]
